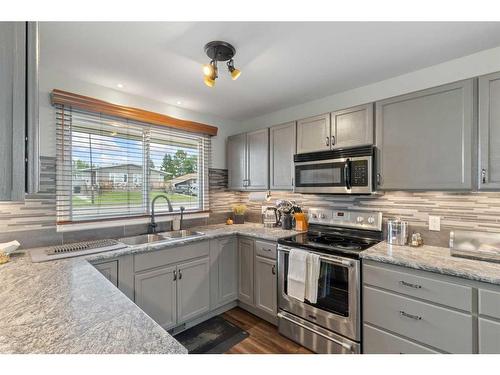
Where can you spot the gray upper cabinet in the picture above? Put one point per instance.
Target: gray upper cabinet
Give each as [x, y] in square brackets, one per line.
[266, 296]
[12, 110]
[352, 127]
[313, 134]
[425, 139]
[489, 131]
[258, 160]
[193, 289]
[282, 142]
[155, 293]
[236, 161]
[248, 161]
[245, 270]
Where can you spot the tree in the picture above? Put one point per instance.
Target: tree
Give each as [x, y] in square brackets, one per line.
[81, 164]
[179, 164]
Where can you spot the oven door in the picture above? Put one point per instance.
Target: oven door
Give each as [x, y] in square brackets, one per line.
[338, 304]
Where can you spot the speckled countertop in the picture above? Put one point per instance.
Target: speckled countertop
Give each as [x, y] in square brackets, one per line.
[434, 259]
[67, 306]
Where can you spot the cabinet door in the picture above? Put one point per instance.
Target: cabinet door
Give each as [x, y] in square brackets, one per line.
[489, 336]
[489, 131]
[313, 134]
[258, 160]
[245, 270]
[236, 161]
[12, 110]
[193, 289]
[282, 149]
[353, 127]
[228, 271]
[425, 139]
[155, 294]
[266, 285]
[109, 270]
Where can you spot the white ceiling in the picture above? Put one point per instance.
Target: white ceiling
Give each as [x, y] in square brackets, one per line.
[282, 63]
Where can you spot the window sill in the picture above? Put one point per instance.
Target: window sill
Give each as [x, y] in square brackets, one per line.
[160, 218]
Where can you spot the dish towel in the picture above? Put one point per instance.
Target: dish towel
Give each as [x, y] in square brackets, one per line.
[313, 266]
[297, 273]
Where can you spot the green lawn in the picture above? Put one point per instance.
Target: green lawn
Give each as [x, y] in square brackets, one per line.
[119, 197]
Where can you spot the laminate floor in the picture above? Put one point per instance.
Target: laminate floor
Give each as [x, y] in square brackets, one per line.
[263, 336]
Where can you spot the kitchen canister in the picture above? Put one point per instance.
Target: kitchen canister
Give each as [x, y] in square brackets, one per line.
[397, 232]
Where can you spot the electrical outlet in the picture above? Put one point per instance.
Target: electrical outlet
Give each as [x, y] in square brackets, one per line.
[435, 223]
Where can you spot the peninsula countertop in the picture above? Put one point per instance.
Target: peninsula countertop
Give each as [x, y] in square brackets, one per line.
[67, 306]
[434, 259]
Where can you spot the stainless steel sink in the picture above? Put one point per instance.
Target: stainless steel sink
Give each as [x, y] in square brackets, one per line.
[184, 233]
[142, 239]
[156, 237]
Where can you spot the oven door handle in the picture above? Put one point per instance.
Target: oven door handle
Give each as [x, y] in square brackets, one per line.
[343, 344]
[342, 262]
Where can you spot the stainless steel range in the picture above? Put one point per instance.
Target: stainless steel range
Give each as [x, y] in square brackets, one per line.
[333, 323]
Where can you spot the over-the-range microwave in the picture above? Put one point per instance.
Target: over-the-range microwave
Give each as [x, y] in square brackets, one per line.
[343, 171]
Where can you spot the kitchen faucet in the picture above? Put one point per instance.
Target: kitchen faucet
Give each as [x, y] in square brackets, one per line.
[152, 225]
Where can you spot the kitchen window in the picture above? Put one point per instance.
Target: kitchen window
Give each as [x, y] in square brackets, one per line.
[109, 167]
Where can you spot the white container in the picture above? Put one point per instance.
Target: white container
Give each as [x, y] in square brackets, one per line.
[397, 232]
[176, 223]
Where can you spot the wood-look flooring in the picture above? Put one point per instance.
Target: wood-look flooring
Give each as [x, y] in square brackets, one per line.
[263, 337]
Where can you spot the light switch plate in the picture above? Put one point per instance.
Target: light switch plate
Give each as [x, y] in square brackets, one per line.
[434, 223]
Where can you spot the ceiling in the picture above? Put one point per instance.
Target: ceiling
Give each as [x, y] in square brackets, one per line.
[283, 63]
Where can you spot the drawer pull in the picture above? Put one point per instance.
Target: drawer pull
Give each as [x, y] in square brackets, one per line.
[266, 249]
[410, 285]
[411, 316]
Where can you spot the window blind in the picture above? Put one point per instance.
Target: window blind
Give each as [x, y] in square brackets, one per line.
[110, 167]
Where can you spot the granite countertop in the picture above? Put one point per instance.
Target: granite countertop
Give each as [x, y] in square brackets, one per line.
[67, 306]
[434, 259]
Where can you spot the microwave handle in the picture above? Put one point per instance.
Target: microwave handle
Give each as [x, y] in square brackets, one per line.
[347, 174]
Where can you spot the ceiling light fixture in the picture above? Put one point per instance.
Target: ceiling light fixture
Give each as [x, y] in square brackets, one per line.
[119, 85]
[219, 51]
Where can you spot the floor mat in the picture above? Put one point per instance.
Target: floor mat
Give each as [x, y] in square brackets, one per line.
[213, 336]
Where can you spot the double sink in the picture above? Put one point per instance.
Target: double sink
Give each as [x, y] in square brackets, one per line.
[157, 237]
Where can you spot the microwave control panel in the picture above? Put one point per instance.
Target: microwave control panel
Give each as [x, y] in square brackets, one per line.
[359, 173]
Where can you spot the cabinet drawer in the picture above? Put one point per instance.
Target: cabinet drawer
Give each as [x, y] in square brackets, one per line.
[442, 292]
[489, 303]
[265, 249]
[171, 255]
[441, 328]
[377, 341]
[489, 337]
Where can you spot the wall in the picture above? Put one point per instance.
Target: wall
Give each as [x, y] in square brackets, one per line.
[484, 62]
[52, 79]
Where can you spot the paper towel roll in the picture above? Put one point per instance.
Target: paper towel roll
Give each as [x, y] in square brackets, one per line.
[260, 196]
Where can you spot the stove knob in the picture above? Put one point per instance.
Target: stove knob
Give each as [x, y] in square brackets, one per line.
[322, 216]
[314, 216]
[371, 220]
[360, 219]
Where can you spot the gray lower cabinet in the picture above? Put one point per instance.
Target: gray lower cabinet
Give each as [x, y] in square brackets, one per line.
[425, 139]
[109, 270]
[246, 270]
[378, 341]
[193, 289]
[266, 285]
[352, 127]
[156, 294]
[489, 336]
[313, 134]
[489, 131]
[224, 270]
[282, 146]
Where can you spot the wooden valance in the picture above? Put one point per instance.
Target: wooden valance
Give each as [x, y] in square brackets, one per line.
[99, 106]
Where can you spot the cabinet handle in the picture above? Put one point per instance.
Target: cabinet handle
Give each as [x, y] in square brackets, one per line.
[483, 175]
[328, 141]
[180, 274]
[175, 275]
[273, 270]
[379, 179]
[333, 140]
[410, 285]
[411, 316]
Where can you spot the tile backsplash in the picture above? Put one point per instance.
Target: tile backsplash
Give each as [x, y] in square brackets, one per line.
[33, 221]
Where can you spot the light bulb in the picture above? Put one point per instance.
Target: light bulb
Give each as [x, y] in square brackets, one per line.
[235, 73]
[209, 81]
[208, 70]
